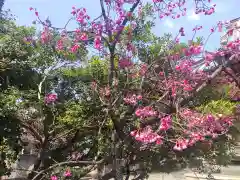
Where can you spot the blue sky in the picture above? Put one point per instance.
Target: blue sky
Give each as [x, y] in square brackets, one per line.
[59, 13]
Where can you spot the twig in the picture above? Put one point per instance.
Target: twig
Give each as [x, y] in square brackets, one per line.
[69, 163]
[33, 131]
[233, 76]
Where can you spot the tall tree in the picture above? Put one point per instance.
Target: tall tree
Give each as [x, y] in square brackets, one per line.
[126, 107]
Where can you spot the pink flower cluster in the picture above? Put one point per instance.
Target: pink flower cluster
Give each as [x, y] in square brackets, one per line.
[180, 145]
[132, 99]
[125, 63]
[67, 173]
[146, 135]
[196, 128]
[208, 58]
[178, 85]
[233, 45]
[144, 112]
[75, 48]
[81, 15]
[46, 35]
[59, 45]
[185, 66]
[192, 50]
[166, 123]
[50, 98]
[97, 42]
[207, 125]
[169, 9]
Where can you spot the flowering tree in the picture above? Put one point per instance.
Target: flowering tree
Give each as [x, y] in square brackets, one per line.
[145, 105]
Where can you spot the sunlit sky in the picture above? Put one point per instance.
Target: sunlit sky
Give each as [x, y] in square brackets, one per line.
[59, 12]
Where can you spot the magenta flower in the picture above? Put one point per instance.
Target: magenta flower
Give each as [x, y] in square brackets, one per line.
[67, 173]
[54, 178]
[50, 98]
[180, 145]
[74, 48]
[125, 63]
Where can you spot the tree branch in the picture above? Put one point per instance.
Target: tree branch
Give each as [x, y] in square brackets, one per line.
[69, 163]
[33, 131]
[106, 20]
[183, 101]
[125, 22]
[233, 76]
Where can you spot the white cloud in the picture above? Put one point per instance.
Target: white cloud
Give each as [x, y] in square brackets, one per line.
[193, 16]
[168, 23]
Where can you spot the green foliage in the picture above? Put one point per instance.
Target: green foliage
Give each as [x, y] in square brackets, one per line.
[224, 107]
[76, 114]
[9, 127]
[96, 69]
[12, 47]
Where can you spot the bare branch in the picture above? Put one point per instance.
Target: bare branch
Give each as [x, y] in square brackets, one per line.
[106, 20]
[125, 22]
[32, 131]
[233, 76]
[68, 163]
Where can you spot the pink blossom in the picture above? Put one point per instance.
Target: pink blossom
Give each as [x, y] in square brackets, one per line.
[139, 97]
[125, 63]
[84, 37]
[166, 123]
[146, 135]
[195, 50]
[181, 144]
[230, 32]
[144, 112]
[161, 73]
[50, 98]
[45, 35]
[130, 99]
[210, 11]
[75, 48]
[177, 67]
[67, 173]
[97, 42]
[54, 177]
[209, 57]
[133, 133]
[59, 45]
